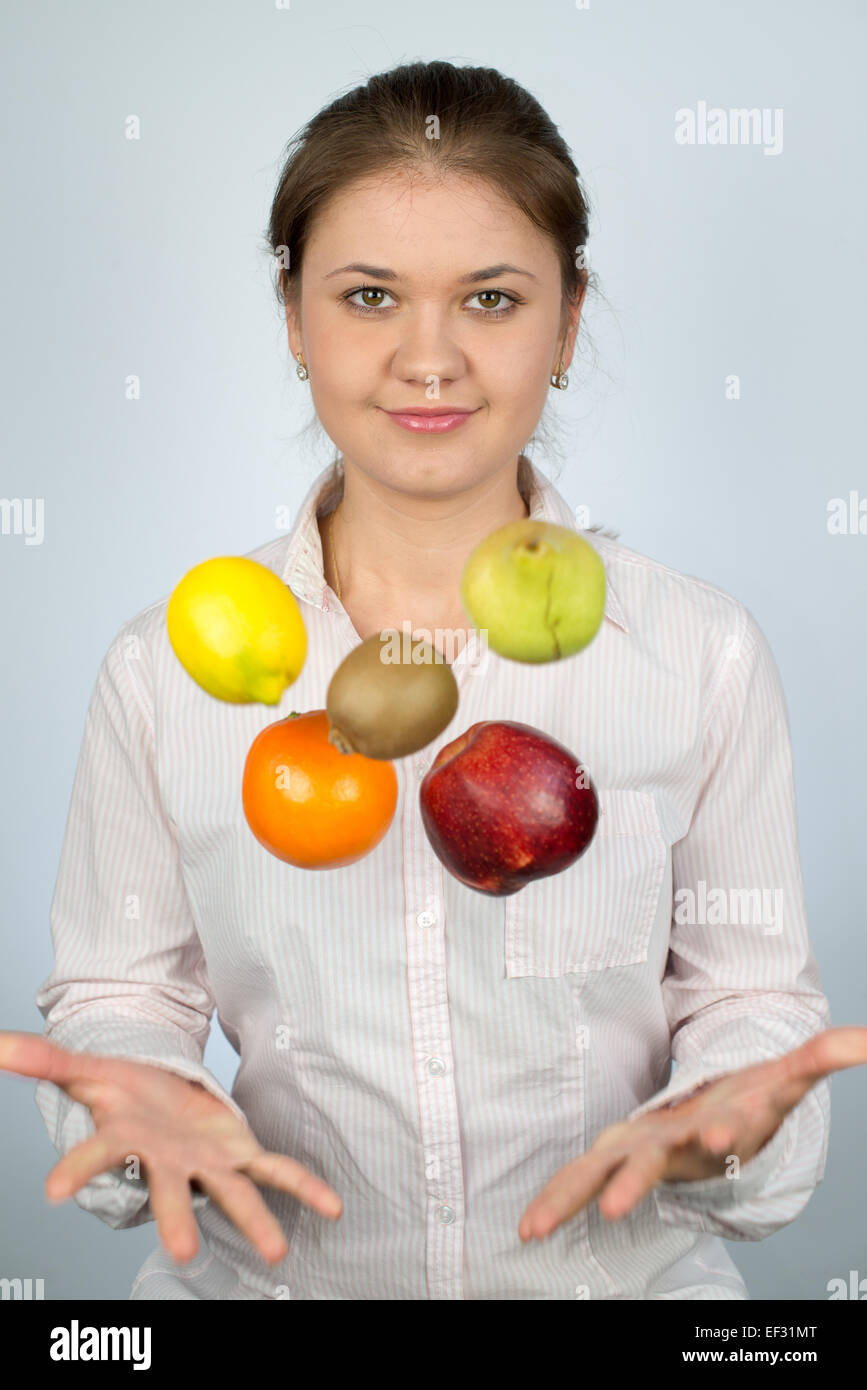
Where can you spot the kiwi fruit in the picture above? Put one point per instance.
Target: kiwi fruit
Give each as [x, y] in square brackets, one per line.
[390, 696]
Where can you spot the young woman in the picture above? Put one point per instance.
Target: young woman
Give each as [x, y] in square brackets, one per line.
[441, 1094]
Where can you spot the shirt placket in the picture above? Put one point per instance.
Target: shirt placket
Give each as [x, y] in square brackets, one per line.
[433, 1059]
[433, 1056]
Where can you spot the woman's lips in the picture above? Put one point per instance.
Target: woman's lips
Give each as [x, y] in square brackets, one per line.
[430, 424]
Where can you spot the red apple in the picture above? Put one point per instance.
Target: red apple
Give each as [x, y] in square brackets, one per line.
[503, 804]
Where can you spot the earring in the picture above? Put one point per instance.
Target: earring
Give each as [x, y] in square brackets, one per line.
[560, 379]
[301, 369]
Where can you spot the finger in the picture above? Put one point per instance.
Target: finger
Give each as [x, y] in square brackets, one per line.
[278, 1170]
[773, 1088]
[834, 1049]
[642, 1170]
[172, 1205]
[80, 1165]
[568, 1191]
[244, 1204]
[31, 1054]
[837, 1048]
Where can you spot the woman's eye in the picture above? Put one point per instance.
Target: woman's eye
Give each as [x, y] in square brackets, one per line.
[492, 311]
[488, 311]
[365, 289]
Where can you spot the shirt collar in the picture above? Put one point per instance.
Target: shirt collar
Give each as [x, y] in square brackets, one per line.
[304, 571]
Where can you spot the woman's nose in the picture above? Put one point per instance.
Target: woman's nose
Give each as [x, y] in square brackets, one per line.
[427, 347]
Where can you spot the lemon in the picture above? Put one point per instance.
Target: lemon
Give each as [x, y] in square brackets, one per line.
[236, 628]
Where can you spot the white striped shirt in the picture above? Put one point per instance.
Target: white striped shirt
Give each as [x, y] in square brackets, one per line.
[437, 1054]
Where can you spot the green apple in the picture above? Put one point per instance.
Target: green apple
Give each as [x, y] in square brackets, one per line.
[537, 589]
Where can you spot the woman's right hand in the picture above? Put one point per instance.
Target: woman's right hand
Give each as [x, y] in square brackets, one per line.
[180, 1133]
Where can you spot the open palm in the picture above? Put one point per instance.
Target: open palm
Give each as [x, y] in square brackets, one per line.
[735, 1114]
[181, 1134]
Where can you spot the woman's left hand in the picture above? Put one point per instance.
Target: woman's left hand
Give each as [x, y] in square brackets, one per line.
[735, 1114]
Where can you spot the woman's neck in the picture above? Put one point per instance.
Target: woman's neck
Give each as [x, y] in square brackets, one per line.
[387, 543]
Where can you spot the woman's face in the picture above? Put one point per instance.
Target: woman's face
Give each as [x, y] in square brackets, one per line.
[425, 335]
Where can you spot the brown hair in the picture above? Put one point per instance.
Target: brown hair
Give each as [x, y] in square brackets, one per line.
[489, 128]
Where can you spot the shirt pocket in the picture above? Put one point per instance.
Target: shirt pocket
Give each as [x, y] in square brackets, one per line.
[599, 912]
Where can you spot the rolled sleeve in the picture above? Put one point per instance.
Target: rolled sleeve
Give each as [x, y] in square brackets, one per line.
[741, 987]
[130, 978]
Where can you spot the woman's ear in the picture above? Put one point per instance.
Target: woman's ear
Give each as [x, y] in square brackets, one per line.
[573, 319]
[293, 326]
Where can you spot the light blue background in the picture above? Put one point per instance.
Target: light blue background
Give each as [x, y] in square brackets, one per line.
[146, 257]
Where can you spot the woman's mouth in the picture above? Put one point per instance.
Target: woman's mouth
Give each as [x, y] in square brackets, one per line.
[436, 421]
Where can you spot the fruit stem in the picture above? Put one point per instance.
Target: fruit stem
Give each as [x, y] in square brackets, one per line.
[339, 740]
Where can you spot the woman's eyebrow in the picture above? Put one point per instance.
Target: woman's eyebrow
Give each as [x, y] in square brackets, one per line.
[379, 272]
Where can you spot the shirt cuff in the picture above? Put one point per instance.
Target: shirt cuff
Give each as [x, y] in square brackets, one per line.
[724, 1192]
[116, 1198]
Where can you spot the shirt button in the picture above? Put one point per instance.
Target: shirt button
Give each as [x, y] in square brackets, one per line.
[447, 1215]
[435, 1066]
[426, 919]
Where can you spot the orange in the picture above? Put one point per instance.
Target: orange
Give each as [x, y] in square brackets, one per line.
[310, 804]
